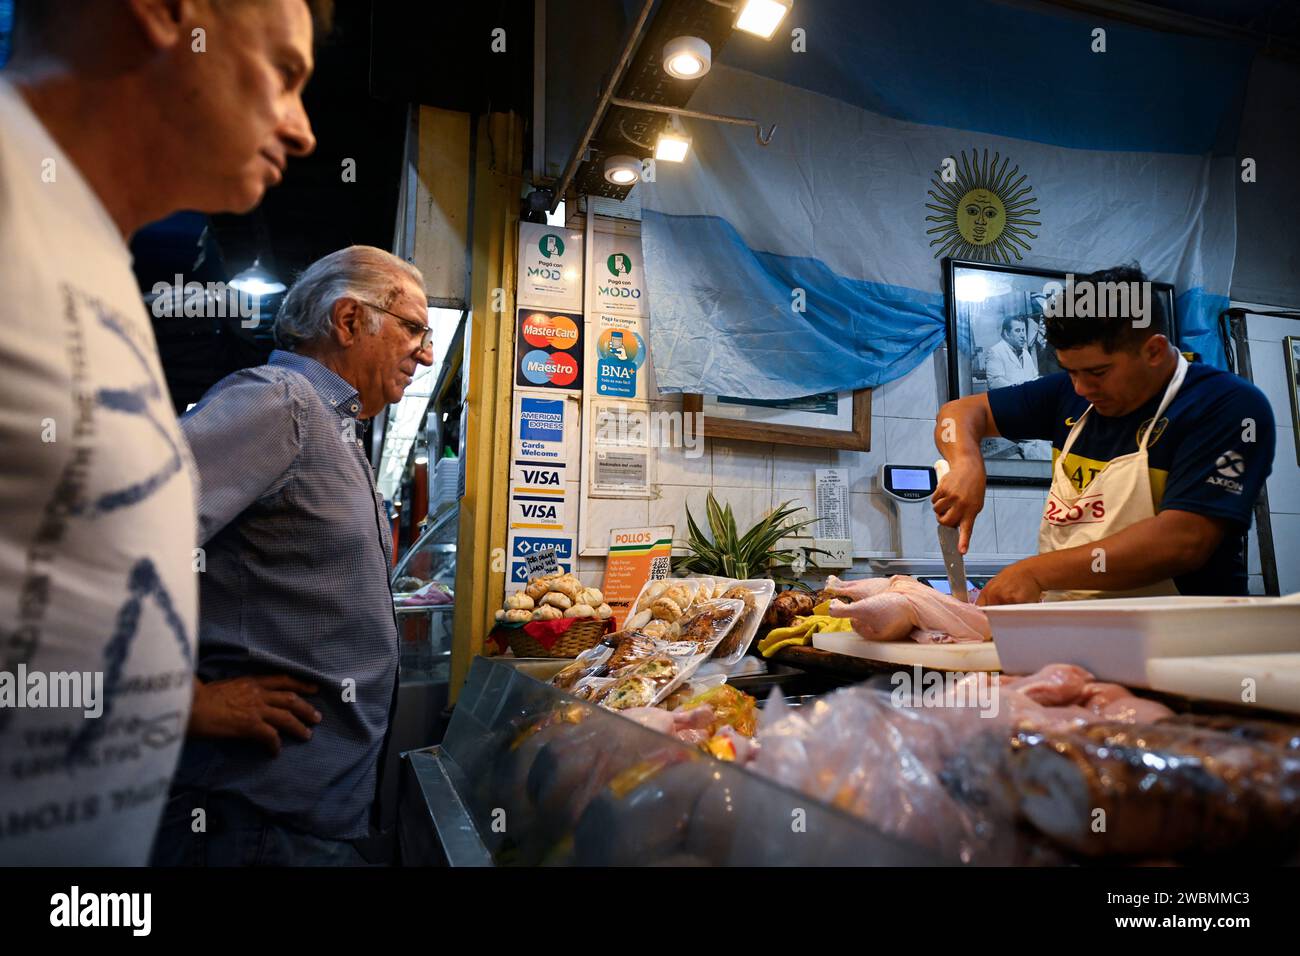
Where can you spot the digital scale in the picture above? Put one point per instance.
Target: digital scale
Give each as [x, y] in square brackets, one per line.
[909, 489]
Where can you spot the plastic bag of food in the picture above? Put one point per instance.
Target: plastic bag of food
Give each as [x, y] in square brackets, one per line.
[860, 752]
[731, 707]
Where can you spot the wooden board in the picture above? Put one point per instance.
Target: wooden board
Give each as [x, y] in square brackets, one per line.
[946, 657]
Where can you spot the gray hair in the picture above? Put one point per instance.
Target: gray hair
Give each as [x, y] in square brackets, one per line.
[364, 273]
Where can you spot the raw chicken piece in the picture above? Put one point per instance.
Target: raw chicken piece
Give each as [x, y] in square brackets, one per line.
[1135, 710]
[1116, 702]
[856, 590]
[1098, 695]
[1056, 685]
[901, 607]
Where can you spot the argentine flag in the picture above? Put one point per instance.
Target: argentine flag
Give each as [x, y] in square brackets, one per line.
[813, 264]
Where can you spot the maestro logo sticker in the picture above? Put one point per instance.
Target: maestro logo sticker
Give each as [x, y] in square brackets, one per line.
[548, 349]
[551, 246]
[549, 368]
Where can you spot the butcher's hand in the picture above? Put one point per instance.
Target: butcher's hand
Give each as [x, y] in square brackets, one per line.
[959, 497]
[256, 708]
[1014, 584]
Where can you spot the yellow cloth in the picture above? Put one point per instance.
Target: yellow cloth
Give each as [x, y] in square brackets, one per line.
[802, 630]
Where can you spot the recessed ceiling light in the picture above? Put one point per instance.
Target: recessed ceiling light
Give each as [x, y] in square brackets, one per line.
[687, 58]
[622, 170]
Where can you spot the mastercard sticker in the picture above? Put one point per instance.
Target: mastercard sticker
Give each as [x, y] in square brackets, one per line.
[549, 349]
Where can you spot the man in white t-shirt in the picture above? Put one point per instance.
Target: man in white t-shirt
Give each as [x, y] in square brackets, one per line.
[112, 115]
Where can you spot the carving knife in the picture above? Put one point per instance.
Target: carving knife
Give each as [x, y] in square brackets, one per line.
[953, 562]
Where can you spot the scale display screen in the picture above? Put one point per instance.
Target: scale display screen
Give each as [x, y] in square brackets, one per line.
[912, 479]
[908, 482]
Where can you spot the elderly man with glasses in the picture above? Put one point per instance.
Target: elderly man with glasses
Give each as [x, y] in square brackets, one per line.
[298, 646]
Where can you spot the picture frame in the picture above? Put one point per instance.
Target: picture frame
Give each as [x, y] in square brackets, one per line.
[981, 300]
[846, 416]
[1291, 344]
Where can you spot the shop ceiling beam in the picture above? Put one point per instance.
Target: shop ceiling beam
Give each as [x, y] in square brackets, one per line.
[481, 559]
[763, 137]
[607, 94]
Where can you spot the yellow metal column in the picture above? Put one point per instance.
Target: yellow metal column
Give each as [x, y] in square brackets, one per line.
[481, 561]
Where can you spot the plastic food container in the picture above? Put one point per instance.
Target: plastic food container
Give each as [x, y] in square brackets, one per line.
[1115, 638]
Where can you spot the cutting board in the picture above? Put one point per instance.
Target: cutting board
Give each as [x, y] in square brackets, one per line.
[946, 657]
[1276, 677]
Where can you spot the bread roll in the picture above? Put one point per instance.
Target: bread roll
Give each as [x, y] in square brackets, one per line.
[590, 597]
[519, 602]
[580, 610]
[557, 599]
[547, 613]
[604, 612]
[569, 587]
[518, 615]
[501, 615]
[537, 587]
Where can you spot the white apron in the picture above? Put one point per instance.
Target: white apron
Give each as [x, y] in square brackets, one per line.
[1119, 496]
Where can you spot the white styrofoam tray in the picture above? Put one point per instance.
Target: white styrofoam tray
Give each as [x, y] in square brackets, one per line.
[1114, 638]
[1270, 681]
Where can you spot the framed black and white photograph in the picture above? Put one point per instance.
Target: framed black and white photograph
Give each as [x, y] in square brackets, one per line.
[996, 338]
[1292, 345]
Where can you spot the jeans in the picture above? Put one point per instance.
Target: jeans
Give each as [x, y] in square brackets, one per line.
[236, 833]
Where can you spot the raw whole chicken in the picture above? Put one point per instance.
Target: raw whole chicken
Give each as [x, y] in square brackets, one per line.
[901, 607]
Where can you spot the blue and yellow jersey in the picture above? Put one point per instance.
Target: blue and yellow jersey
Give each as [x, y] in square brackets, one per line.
[1209, 453]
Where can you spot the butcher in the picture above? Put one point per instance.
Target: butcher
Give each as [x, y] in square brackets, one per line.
[1156, 460]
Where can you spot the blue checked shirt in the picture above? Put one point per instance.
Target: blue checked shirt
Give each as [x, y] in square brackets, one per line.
[298, 547]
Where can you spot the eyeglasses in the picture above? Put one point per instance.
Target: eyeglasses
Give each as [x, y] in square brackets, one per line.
[425, 332]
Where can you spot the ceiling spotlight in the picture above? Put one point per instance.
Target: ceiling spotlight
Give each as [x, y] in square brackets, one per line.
[622, 170]
[762, 17]
[256, 281]
[672, 146]
[687, 58]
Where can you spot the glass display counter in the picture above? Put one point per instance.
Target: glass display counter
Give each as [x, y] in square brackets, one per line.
[527, 775]
[423, 599]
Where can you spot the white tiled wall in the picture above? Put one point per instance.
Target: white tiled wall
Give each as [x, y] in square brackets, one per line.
[1268, 368]
[754, 477]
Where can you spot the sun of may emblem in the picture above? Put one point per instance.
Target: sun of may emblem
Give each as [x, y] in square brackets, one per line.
[983, 212]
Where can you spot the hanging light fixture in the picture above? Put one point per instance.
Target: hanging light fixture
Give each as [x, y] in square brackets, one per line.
[762, 17]
[256, 281]
[673, 143]
[687, 58]
[622, 170]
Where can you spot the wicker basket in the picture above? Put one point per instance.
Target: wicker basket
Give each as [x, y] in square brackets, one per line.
[579, 637]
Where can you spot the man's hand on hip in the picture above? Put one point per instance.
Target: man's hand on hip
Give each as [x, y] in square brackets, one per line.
[255, 708]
